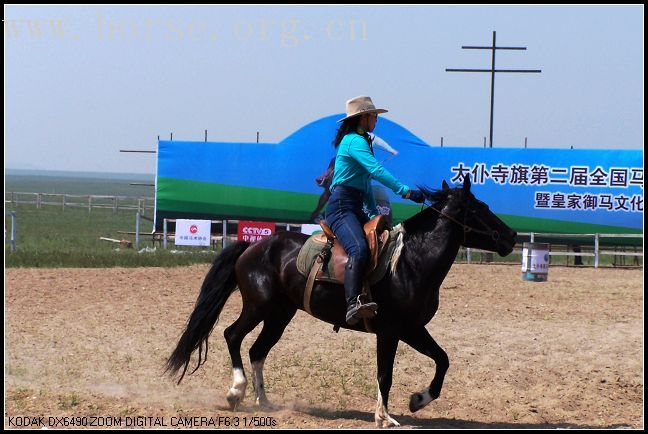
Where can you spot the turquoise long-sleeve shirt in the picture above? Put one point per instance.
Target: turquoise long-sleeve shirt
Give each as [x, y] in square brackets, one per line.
[355, 166]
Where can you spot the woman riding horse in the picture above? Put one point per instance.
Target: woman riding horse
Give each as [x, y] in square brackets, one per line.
[355, 165]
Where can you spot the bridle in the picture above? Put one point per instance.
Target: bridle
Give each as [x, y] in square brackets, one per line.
[495, 235]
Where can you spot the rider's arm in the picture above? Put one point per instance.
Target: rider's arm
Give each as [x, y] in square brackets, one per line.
[359, 151]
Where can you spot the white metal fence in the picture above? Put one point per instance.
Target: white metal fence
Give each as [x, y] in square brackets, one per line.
[144, 205]
[596, 252]
[141, 205]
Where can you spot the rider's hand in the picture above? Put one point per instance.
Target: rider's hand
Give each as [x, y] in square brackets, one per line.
[416, 196]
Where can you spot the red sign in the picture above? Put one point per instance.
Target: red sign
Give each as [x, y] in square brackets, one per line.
[254, 231]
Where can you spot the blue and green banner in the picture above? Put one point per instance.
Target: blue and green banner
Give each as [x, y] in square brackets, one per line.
[533, 190]
[553, 190]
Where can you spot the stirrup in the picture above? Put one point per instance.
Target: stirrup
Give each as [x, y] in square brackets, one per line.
[361, 311]
[369, 303]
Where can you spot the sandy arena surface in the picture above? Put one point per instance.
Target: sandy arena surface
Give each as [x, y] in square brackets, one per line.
[567, 353]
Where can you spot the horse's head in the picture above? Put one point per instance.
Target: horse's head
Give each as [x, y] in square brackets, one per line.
[482, 228]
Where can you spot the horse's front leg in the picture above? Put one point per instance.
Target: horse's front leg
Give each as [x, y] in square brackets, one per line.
[386, 352]
[421, 341]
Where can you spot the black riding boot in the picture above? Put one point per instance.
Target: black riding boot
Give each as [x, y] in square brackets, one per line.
[356, 310]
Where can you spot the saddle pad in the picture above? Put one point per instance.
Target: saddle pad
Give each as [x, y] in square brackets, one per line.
[312, 247]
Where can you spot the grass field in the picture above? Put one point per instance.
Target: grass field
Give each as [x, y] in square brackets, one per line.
[53, 237]
[50, 237]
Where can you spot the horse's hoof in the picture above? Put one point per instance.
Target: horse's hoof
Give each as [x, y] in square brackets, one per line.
[387, 422]
[234, 398]
[416, 402]
[233, 402]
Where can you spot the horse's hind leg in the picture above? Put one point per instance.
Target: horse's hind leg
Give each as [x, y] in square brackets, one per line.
[273, 327]
[421, 341]
[234, 335]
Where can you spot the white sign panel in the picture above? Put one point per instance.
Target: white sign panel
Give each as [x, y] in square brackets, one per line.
[193, 232]
[310, 229]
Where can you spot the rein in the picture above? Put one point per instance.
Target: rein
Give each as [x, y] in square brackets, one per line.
[466, 229]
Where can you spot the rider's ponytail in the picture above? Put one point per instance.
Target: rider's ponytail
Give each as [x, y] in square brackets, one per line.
[349, 125]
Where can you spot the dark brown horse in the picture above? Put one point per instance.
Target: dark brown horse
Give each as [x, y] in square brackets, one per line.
[408, 297]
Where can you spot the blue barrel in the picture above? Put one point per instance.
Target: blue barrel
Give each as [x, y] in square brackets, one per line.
[535, 262]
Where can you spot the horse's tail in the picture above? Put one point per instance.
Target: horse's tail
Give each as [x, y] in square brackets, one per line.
[218, 285]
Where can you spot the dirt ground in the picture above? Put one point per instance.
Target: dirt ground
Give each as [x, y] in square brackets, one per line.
[566, 353]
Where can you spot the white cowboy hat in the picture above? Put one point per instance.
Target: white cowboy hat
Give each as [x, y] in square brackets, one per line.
[359, 106]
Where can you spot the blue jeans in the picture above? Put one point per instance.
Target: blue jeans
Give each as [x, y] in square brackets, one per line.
[345, 217]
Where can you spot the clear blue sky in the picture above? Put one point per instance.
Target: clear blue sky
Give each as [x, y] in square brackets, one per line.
[83, 82]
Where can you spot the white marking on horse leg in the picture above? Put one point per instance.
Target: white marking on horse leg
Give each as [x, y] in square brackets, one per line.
[237, 392]
[383, 419]
[257, 383]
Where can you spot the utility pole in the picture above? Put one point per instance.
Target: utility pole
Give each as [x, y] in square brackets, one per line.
[492, 72]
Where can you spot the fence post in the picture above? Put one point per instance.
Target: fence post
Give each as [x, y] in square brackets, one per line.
[468, 254]
[89, 203]
[164, 231]
[38, 201]
[532, 237]
[224, 233]
[137, 230]
[596, 250]
[63, 201]
[13, 231]
[114, 203]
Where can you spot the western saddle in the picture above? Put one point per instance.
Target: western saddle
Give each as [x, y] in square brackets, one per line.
[376, 232]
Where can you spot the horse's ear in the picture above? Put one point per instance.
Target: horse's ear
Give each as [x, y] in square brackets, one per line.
[466, 183]
[444, 184]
